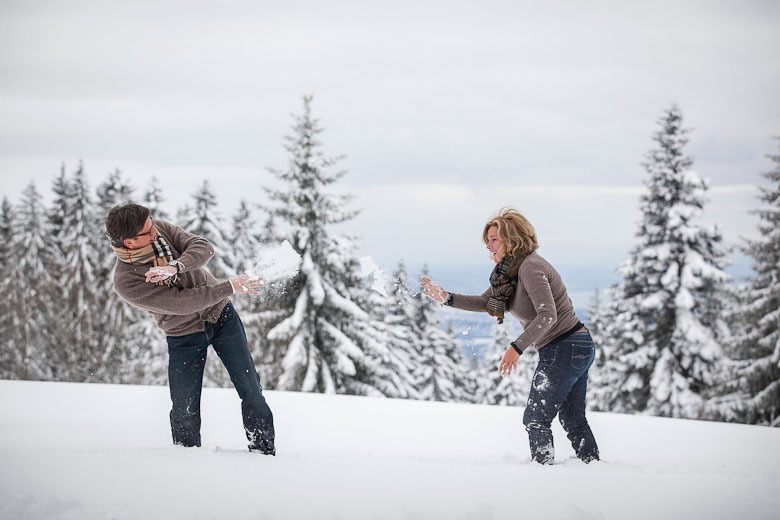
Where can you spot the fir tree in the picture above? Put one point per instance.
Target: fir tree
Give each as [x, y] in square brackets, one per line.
[203, 219]
[441, 375]
[323, 341]
[153, 200]
[82, 241]
[659, 332]
[510, 390]
[395, 355]
[33, 287]
[751, 392]
[9, 353]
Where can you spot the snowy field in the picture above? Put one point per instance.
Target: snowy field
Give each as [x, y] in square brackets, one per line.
[79, 451]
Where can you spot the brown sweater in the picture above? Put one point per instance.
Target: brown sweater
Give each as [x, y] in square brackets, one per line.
[540, 303]
[178, 310]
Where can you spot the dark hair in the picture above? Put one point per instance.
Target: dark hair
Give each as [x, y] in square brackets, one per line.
[125, 221]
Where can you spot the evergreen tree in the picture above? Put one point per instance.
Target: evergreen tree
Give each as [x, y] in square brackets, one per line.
[59, 208]
[401, 337]
[153, 200]
[62, 332]
[508, 390]
[33, 286]
[751, 392]
[82, 240]
[324, 338]
[394, 355]
[9, 353]
[203, 219]
[441, 375]
[660, 331]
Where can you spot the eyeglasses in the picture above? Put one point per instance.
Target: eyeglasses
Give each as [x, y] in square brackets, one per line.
[145, 233]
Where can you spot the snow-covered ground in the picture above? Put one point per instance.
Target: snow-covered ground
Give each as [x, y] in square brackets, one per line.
[81, 451]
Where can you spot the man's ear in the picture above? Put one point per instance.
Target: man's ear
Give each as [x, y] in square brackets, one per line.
[128, 243]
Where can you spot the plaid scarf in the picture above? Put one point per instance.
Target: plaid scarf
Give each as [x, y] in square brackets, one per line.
[503, 280]
[157, 252]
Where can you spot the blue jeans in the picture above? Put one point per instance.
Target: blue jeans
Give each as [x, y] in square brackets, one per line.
[186, 361]
[558, 388]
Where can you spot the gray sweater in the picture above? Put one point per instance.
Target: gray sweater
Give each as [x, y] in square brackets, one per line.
[541, 303]
[178, 310]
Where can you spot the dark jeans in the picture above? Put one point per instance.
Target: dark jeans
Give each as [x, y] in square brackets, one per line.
[186, 361]
[559, 386]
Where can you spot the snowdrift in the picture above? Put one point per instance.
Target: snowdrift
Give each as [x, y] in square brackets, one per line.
[79, 451]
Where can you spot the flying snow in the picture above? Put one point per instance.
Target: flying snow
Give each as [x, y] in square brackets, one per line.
[369, 268]
[275, 262]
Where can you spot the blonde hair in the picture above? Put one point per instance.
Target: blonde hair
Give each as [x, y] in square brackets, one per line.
[515, 231]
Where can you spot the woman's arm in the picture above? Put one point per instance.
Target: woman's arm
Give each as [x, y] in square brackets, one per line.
[472, 303]
[459, 301]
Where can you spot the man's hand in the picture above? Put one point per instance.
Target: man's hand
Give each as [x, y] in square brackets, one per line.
[509, 363]
[246, 284]
[158, 274]
[432, 289]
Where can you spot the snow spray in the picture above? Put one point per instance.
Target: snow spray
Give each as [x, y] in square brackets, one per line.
[276, 264]
[369, 268]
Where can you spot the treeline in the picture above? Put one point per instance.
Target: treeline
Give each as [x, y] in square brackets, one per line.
[676, 337]
[326, 330]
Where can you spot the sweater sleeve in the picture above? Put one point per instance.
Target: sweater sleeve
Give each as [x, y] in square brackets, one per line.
[471, 303]
[162, 299]
[537, 284]
[195, 251]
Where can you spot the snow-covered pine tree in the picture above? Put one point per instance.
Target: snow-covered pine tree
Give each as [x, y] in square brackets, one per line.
[82, 244]
[509, 390]
[153, 200]
[441, 375]
[59, 208]
[203, 219]
[394, 355]
[401, 338]
[323, 341]
[62, 333]
[752, 390]
[598, 382]
[33, 285]
[9, 353]
[659, 332]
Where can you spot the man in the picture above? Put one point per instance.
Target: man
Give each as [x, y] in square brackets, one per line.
[160, 270]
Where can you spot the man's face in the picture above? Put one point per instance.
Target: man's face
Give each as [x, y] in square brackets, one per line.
[148, 233]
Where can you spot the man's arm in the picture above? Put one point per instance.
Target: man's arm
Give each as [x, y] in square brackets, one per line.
[195, 251]
[162, 299]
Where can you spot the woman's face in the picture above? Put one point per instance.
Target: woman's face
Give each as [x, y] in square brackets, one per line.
[495, 245]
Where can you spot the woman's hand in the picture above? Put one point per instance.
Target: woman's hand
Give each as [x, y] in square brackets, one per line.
[432, 289]
[509, 363]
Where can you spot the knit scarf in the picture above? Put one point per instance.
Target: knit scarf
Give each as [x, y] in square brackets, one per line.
[157, 252]
[503, 280]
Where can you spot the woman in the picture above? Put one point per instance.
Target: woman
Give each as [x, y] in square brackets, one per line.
[532, 290]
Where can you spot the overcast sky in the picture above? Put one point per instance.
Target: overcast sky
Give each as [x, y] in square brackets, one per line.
[445, 110]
